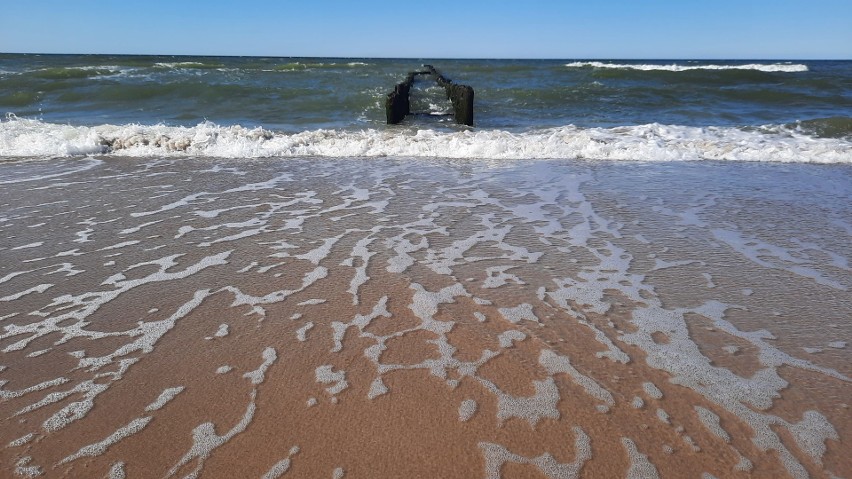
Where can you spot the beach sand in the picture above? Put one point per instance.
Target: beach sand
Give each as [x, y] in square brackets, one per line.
[423, 318]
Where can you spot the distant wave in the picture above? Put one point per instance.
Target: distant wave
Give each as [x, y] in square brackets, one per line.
[297, 66]
[186, 65]
[75, 72]
[652, 142]
[774, 67]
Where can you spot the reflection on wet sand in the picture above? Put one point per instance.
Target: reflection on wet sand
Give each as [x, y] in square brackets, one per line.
[384, 318]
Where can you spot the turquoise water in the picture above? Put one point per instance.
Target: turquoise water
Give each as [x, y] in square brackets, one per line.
[784, 104]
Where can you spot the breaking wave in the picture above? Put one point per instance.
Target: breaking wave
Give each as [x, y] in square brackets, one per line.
[773, 67]
[651, 142]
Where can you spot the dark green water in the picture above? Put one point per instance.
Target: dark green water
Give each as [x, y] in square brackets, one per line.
[617, 102]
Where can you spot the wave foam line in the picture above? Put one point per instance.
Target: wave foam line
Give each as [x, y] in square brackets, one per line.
[652, 142]
[774, 67]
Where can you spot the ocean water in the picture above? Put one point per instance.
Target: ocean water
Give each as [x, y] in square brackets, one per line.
[68, 105]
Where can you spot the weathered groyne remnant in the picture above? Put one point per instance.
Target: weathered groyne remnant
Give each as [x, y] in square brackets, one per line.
[460, 95]
[397, 105]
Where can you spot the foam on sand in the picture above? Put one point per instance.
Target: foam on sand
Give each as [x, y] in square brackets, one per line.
[521, 312]
[467, 409]
[166, 396]
[484, 303]
[640, 466]
[282, 466]
[24, 469]
[325, 374]
[711, 421]
[507, 338]
[100, 447]
[555, 364]
[497, 455]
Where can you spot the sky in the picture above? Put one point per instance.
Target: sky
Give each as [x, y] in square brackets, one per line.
[565, 29]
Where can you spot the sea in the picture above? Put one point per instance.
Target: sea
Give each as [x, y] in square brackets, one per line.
[234, 267]
[237, 107]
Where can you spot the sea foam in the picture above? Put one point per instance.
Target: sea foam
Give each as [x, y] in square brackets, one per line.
[772, 67]
[650, 142]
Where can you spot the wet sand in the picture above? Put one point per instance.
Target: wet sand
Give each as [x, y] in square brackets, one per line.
[415, 318]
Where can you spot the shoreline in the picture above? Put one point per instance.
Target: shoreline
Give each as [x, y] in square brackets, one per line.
[447, 319]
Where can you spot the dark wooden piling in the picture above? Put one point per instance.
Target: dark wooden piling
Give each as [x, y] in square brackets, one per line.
[460, 95]
[397, 104]
[462, 98]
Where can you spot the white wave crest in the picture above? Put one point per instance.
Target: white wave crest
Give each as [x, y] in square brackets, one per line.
[774, 67]
[652, 142]
[179, 65]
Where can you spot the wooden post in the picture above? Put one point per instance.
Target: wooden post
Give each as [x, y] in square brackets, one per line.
[397, 104]
[462, 98]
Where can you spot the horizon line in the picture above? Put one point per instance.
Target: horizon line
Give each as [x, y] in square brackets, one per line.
[208, 55]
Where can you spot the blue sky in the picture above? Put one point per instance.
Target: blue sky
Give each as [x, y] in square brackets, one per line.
[727, 29]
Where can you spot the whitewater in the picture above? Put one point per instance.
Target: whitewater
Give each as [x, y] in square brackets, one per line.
[653, 142]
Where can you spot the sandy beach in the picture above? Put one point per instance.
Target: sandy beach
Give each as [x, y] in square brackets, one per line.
[423, 318]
